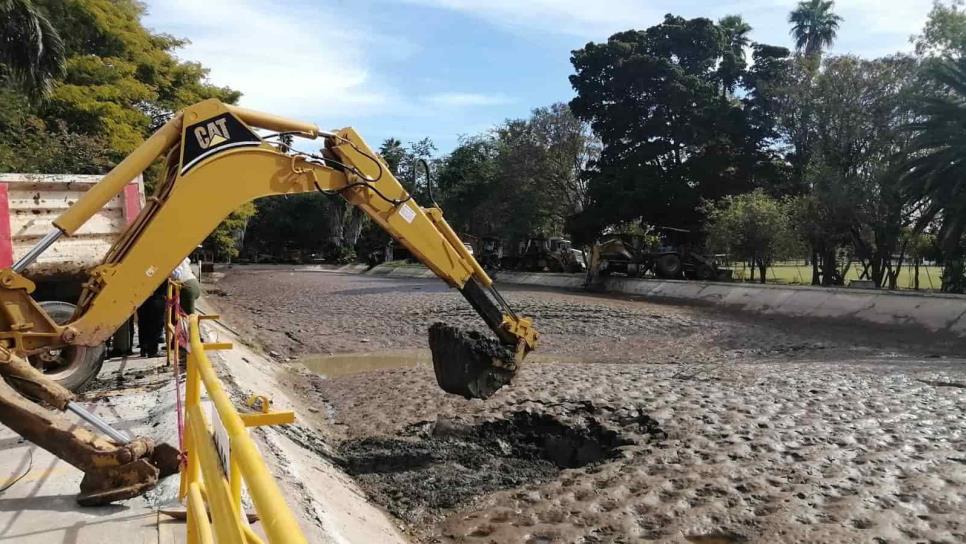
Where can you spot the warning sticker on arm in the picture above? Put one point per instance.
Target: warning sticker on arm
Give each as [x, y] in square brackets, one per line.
[407, 213]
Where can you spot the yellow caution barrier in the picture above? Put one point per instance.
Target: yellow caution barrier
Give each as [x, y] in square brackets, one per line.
[204, 482]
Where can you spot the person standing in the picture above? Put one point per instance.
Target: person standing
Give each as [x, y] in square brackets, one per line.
[190, 286]
[151, 321]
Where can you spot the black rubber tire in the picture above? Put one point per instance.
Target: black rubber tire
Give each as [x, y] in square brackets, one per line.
[705, 273]
[80, 363]
[668, 266]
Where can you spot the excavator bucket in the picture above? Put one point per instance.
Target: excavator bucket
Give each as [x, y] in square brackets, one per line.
[468, 363]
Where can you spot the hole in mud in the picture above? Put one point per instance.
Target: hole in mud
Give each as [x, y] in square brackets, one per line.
[437, 466]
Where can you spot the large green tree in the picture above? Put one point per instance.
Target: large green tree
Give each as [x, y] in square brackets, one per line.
[944, 34]
[860, 109]
[120, 82]
[523, 178]
[753, 227]
[671, 134]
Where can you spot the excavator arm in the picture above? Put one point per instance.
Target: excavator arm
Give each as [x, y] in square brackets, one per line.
[215, 161]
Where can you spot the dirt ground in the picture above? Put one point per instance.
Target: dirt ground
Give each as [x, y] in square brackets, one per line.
[637, 422]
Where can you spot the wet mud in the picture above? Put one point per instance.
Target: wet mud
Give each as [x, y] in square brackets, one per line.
[435, 466]
[638, 422]
[469, 363]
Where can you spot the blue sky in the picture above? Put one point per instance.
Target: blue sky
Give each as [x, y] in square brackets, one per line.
[442, 68]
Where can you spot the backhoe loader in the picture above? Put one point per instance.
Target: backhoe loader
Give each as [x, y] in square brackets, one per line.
[214, 162]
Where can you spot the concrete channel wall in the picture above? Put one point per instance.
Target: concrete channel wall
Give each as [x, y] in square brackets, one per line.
[937, 313]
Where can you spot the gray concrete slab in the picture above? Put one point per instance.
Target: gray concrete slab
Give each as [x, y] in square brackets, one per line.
[40, 506]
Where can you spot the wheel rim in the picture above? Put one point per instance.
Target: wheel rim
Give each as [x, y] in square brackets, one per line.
[59, 363]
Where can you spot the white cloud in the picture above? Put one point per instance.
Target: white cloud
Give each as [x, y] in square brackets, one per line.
[459, 100]
[285, 59]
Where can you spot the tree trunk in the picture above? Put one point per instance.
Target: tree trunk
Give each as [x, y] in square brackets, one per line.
[751, 267]
[355, 219]
[828, 268]
[878, 271]
[815, 274]
[915, 277]
[952, 261]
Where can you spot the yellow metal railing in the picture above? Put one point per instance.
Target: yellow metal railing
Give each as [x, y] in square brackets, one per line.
[204, 482]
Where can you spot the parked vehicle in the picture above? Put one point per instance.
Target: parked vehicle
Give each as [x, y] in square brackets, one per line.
[28, 205]
[541, 254]
[673, 254]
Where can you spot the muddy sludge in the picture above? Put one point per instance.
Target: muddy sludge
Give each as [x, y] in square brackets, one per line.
[434, 467]
[469, 363]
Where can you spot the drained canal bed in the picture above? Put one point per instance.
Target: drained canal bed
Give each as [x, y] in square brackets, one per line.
[769, 430]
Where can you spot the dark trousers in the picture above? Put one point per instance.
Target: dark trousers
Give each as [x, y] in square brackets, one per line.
[151, 321]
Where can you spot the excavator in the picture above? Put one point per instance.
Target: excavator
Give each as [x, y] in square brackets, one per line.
[216, 158]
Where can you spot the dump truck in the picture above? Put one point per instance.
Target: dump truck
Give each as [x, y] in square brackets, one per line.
[28, 205]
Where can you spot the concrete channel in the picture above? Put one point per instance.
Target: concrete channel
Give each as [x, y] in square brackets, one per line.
[930, 312]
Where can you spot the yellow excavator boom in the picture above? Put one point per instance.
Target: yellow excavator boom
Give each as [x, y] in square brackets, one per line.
[215, 161]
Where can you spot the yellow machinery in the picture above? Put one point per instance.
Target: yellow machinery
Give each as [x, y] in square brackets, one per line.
[215, 162]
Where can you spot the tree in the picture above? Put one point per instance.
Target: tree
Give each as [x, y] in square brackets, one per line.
[120, 82]
[31, 51]
[523, 178]
[753, 227]
[392, 153]
[944, 34]
[814, 26]
[734, 35]
[228, 236]
[934, 173]
[860, 109]
[920, 246]
[670, 135]
[565, 145]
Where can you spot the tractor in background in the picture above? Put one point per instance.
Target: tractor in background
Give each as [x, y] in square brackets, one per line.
[667, 252]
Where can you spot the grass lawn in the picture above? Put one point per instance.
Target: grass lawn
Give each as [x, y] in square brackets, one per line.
[790, 274]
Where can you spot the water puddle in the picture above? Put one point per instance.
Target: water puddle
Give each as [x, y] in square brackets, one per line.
[345, 364]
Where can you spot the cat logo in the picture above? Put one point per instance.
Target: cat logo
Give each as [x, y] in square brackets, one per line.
[212, 134]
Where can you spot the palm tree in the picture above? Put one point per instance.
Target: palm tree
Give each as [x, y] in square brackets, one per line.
[814, 26]
[935, 172]
[30, 48]
[734, 35]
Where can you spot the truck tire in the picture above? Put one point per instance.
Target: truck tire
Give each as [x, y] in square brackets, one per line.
[73, 366]
[668, 266]
[705, 273]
